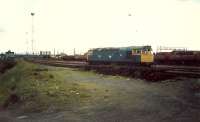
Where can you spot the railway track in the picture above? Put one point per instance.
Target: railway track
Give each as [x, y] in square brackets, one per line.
[180, 70]
[75, 64]
[156, 71]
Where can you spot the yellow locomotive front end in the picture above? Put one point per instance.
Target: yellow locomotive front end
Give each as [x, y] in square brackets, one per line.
[144, 55]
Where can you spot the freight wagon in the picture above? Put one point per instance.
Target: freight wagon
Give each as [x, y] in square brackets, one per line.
[121, 55]
[74, 58]
[178, 58]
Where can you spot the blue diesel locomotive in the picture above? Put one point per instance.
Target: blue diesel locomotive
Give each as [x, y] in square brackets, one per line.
[121, 55]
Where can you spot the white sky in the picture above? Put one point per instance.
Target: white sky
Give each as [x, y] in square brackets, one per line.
[84, 24]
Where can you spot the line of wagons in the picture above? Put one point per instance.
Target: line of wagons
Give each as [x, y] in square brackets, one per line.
[137, 55]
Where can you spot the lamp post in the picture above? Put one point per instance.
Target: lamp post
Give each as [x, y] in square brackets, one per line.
[32, 33]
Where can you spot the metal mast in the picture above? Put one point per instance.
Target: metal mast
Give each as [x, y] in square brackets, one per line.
[32, 34]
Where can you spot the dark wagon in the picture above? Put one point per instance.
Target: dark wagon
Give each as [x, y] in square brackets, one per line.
[178, 58]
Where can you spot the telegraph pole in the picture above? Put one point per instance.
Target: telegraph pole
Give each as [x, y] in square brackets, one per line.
[32, 34]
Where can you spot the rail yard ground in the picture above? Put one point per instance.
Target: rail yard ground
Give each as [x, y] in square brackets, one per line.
[153, 72]
[32, 92]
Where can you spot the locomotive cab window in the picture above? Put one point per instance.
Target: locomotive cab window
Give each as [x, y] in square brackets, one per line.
[136, 52]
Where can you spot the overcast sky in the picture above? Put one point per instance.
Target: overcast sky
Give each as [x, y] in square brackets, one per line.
[84, 24]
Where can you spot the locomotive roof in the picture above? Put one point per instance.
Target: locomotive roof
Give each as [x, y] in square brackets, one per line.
[130, 48]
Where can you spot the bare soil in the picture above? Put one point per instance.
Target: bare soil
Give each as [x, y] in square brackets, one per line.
[124, 100]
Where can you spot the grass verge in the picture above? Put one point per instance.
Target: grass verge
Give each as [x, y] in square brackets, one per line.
[39, 88]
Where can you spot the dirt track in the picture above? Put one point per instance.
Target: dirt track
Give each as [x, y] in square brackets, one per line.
[125, 100]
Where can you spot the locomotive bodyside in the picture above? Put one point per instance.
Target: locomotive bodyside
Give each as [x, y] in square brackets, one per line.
[123, 55]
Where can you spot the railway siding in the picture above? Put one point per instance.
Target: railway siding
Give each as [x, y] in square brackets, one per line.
[152, 73]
